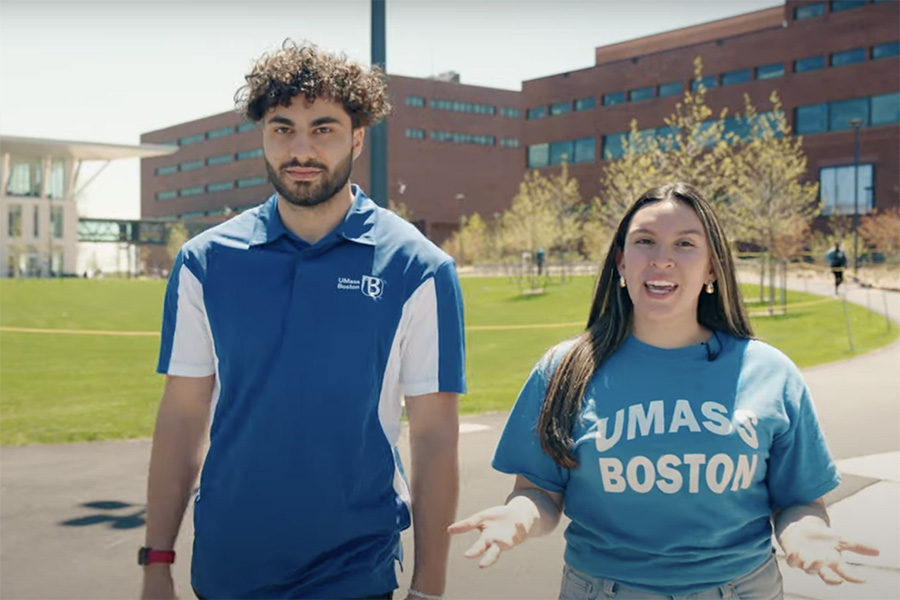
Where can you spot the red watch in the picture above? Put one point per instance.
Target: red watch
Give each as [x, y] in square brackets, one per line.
[147, 556]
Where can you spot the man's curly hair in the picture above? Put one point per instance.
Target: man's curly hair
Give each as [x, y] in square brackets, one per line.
[278, 77]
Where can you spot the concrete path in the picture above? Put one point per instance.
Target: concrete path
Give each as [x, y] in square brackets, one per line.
[72, 516]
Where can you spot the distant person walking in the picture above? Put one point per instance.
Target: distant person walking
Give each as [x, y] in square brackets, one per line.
[290, 335]
[838, 261]
[675, 442]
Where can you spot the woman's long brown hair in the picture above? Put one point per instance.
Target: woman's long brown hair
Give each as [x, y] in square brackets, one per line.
[610, 320]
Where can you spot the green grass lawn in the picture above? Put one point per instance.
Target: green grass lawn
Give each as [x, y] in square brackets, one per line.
[75, 387]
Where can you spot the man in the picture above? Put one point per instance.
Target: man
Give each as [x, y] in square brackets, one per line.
[295, 328]
[838, 261]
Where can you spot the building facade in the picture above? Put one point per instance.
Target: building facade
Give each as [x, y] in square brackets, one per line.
[38, 213]
[458, 149]
[830, 63]
[453, 149]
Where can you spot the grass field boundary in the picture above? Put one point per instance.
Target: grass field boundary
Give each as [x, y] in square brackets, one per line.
[757, 313]
[78, 331]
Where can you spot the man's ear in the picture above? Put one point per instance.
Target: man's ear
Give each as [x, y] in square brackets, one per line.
[359, 136]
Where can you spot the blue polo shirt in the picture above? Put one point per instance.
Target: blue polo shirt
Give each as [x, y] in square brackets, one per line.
[302, 493]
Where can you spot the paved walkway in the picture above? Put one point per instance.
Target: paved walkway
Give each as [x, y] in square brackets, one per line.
[865, 392]
[71, 516]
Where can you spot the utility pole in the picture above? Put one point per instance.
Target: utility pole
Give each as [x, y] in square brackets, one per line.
[378, 153]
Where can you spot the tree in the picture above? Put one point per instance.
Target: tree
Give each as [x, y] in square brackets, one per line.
[768, 198]
[471, 244]
[881, 231]
[401, 209]
[177, 236]
[692, 147]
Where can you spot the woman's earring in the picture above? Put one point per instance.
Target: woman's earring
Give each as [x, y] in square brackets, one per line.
[709, 288]
[621, 281]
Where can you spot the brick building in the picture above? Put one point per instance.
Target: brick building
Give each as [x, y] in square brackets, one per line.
[457, 149]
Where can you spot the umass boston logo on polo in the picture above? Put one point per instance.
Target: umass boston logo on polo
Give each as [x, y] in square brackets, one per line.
[370, 286]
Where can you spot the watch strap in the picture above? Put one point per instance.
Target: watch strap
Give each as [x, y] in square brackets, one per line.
[148, 556]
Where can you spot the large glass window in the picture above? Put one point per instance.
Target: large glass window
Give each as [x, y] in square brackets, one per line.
[194, 190]
[538, 112]
[56, 221]
[613, 146]
[842, 5]
[513, 113]
[561, 108]
[24, 178]
[886, 109]
[709, 82]
[251, 182]
[560, 151]
[810, 63]
[642, 93]
[36, 221]
[14, 221]
[417, 101]
[770, 71]
[538, 156]
[56, 185]
[584, 150]
[248, 154]
[167, 170]
[886, 50]
[844, 111]
[613, 98]
[809, 11]
[191, 139]
[670, 89]
[848, 57]
[220, 187]
[222, 132]
[584, 103]
[509, 143]
[219, 160]
[811, 119]
[191, 165]
[736, 77]
[415, 134]
[469, 107]
[836, 189]
[168, 195]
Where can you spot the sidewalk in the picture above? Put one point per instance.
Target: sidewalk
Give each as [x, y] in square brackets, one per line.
[867, 506]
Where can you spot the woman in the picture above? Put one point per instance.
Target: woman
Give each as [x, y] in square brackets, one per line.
[673, 438]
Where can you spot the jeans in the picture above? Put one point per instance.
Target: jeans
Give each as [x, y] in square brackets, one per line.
[763, 583]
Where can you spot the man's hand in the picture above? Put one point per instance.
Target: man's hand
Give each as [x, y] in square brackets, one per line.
[158, 583]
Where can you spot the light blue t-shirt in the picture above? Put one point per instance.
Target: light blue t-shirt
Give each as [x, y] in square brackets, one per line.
[682, 460]
[313, 346]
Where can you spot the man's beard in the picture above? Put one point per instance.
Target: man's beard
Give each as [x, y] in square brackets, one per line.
[302, 193]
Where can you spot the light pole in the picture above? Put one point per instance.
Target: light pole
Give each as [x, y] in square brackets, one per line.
[459, 235]
[856, 124]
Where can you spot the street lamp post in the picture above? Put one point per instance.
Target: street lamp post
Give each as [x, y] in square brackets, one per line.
[856, 124]
[459, 235]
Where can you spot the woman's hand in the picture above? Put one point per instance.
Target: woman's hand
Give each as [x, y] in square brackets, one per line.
[501, 527]
[809, 543]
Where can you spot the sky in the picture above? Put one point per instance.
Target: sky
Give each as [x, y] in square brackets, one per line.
[109, 70]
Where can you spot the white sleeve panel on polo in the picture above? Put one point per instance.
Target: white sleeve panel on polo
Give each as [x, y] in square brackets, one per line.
[192, 348]
[419, 349]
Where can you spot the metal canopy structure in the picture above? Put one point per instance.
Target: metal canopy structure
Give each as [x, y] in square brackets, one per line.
[36, 148]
